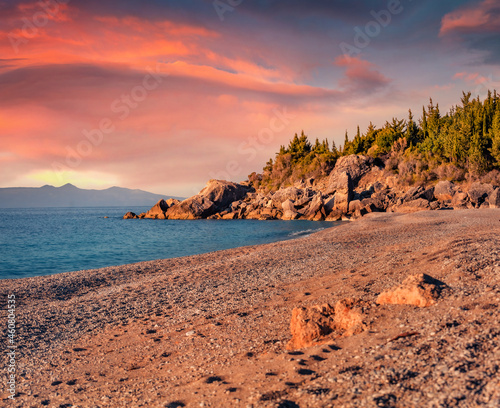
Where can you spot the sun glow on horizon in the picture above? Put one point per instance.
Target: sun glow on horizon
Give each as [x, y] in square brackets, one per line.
[86, 180]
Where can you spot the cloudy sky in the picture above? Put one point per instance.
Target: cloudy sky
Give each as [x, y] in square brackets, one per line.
[163, 95]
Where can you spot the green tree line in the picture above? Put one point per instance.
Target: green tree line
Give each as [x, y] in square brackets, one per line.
[466, 140]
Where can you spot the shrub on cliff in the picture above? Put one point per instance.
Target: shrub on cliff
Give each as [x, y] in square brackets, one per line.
[300, 160]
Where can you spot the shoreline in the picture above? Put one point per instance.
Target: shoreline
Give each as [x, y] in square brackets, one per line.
[121, 244]
[149, 327]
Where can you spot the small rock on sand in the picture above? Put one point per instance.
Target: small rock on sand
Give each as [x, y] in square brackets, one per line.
[418, 290]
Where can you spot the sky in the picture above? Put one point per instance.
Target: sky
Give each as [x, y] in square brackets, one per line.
[163, 95]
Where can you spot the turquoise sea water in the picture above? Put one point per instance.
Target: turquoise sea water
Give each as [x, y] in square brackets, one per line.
[45, 241]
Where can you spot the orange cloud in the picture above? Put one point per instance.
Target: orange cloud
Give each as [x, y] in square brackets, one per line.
[71, 35]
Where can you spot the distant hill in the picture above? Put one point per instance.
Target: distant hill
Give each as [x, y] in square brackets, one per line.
[71, 196]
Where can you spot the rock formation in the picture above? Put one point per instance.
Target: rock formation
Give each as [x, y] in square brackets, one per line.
[217, 196]
[444, 190]
[311, 325]
[355, 187]
[478, 193]
[351, 316]
[315, 325]
[158, 210]
[494, 199]
[356, 166]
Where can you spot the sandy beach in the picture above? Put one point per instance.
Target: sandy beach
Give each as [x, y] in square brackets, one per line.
[211, 330]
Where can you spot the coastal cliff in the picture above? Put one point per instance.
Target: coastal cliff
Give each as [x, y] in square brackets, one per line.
[356, 186]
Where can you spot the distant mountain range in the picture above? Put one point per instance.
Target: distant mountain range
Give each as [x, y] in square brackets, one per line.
[72, 196]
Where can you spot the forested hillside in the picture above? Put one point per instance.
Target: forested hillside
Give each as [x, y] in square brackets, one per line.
[463, 144]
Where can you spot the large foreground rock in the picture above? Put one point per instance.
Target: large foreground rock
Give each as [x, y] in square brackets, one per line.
[351, 316]
[418, 290]
[310, 325]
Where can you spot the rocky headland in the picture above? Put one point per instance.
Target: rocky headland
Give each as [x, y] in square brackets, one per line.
[358, 185]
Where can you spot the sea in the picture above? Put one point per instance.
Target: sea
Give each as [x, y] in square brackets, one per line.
[46, 241]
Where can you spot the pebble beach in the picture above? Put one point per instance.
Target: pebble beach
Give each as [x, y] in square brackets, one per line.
[211, 330]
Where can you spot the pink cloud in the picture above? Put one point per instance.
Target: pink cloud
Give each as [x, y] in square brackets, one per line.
[483, 17]
[473, 77]
[360, 74]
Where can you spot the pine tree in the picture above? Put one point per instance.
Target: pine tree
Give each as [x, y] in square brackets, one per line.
[334, 149]
[412, 133]
[348, 146]
[424, 123]
[495, 135]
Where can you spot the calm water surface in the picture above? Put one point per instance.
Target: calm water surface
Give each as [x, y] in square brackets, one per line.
[45, 241]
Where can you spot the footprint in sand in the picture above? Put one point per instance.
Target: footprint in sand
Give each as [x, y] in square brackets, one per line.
[305, 371]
